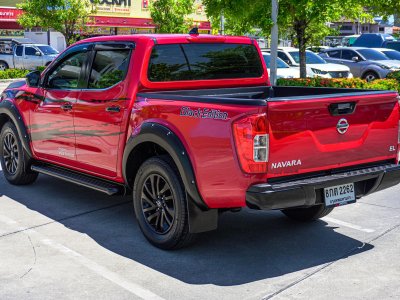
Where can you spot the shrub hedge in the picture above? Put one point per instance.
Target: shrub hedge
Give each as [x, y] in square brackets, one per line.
[13, 73]
[354, 83]
[17, 73]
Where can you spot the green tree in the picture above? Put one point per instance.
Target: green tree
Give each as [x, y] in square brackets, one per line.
[384, 8]
[66, 16]
[170, 16]
[304, 20]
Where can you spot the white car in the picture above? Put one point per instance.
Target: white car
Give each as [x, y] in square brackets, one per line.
[316, 65]
[282, 69]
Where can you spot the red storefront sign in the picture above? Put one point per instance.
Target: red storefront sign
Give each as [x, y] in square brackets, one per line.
[133, 22]
[8, 18]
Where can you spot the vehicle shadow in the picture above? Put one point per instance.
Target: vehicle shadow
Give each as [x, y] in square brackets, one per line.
[247, 247]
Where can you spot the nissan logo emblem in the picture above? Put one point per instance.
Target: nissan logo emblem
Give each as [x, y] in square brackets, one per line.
[342, 126]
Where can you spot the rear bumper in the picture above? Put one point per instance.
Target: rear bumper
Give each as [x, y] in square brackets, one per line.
[309, 191]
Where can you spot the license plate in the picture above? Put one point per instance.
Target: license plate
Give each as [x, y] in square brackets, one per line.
[339, 195]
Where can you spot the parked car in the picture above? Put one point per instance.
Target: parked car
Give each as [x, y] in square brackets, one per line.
[316, 66]
[366, 63]
[283, 69]
[191, 127]
[317, 49]
[390, 53]
[26, 56]
[377, 40]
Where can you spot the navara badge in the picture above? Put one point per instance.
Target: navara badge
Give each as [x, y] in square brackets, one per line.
[342, 126]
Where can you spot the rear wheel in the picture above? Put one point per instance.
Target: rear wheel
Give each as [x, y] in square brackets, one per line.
[160, 204]
[370, 76]
[3, 66]
[13, 160]
[307, 214]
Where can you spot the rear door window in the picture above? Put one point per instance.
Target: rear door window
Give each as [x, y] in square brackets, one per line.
[109, 67]
[180, 62]
[18, 50]
[334, 53]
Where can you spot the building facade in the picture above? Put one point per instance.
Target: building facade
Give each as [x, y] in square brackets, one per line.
[113, 17]
[133, 16]
[351, 28]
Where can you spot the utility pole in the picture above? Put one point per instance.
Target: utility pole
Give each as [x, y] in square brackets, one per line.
[222, 25]
[274, 42]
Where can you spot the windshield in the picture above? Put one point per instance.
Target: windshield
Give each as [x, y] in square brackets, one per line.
[279, 62]
[311, 58]
[370, 54]
[47, 50]
[392, 54]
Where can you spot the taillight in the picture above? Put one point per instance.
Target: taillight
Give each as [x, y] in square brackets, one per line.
[252, 143]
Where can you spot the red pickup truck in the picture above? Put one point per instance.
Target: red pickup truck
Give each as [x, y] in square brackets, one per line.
[191, 126]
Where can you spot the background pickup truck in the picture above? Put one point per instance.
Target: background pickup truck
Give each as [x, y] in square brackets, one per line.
[190, 126]
[25, 56]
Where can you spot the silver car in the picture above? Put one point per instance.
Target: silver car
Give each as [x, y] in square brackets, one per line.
[366, 63]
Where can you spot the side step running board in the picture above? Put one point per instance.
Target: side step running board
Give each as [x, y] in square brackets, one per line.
[80, 179]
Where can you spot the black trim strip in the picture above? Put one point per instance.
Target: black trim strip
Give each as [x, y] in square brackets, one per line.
[258, 95]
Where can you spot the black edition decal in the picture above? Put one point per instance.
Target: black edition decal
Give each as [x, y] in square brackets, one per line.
[204, 113]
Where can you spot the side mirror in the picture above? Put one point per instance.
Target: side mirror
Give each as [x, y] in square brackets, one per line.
[37, 53]
[33, 78]
[355, 59]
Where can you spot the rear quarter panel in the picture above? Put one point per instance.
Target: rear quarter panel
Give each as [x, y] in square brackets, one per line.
[209, 144]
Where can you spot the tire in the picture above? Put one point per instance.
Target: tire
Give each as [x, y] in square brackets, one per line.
[370, 76]
[14, 161]
[307, 214]
[3, 66]
[160, 204]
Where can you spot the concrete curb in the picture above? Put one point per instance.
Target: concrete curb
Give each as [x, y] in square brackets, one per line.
[10, 80]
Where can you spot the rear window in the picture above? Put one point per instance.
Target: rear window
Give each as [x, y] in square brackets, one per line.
[179, 62]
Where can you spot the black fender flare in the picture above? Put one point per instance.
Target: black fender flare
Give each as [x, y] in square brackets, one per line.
[201, 217]
[8, 108]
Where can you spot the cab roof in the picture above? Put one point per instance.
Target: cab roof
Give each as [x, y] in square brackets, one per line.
[172, 38]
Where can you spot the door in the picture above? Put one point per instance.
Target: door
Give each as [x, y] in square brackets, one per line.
[32, 58]
[51, 122]
[101, 108]
[19, 57]
[355, 66]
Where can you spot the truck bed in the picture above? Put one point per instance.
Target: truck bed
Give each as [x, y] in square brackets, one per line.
[258, 95]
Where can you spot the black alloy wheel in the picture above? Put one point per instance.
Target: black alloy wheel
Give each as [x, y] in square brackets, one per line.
[158, 205]
[15, 162]
[10, 153]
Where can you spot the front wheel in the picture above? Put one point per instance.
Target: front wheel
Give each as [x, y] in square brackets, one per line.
[160, 204]
[308, 213]
[14, 162]
[370, 76]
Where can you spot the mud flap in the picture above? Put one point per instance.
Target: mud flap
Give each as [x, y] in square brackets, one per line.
[201, 220]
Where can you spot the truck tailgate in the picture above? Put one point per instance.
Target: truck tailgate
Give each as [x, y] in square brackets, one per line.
[327, 132]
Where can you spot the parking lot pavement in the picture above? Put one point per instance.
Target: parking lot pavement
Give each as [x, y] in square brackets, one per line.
[62, 241]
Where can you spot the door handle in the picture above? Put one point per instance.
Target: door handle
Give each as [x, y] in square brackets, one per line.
[66, 106]
[113, 109]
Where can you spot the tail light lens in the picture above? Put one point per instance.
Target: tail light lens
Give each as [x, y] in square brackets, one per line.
[252, 143]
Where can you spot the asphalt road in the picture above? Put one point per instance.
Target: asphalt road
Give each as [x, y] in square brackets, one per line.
[58, 240]
[61, 241]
